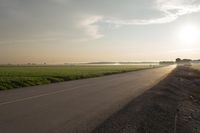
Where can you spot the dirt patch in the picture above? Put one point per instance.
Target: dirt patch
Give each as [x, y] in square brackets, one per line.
[172, 106]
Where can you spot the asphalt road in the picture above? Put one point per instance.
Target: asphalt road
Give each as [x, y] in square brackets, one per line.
[74, 106]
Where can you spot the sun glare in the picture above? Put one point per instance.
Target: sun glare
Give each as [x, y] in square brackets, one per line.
[189, 35]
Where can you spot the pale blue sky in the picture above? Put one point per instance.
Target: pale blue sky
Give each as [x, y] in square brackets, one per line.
[59, 31]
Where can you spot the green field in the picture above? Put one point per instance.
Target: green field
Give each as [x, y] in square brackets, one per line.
[196, 67]
[22, 76]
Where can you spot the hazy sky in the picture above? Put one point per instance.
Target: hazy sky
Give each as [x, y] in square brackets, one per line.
[59, 31]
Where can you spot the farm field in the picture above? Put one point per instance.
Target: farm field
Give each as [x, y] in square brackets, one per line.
[196, 67]
[23, 76]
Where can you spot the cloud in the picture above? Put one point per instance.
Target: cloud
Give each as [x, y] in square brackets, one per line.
[178, 7]
[91, 28]
[172, 9]
[23, 20]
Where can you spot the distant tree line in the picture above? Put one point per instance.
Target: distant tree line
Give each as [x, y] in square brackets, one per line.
[166, 62]
[183, 61]
[179, 61]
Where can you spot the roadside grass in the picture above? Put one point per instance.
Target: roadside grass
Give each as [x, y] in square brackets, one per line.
[23, 76]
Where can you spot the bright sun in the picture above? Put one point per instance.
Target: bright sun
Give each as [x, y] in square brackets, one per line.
[189, 35]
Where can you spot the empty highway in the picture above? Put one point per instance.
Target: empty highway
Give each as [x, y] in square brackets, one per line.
[74, 106]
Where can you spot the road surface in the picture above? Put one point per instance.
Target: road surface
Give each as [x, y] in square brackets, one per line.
[74, 106]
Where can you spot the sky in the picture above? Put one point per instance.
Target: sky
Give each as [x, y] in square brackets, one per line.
[61, 31]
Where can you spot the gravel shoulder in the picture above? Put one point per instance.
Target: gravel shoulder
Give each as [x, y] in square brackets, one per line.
[172, 106]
